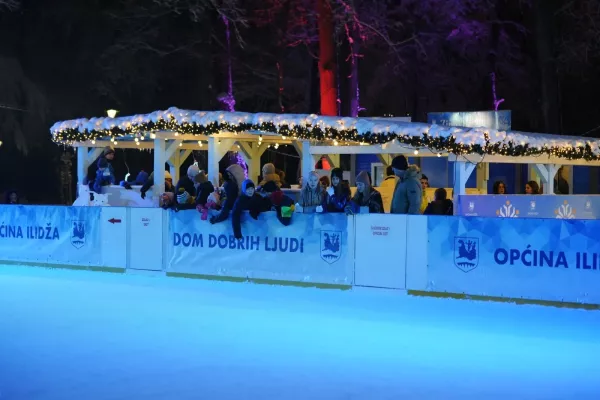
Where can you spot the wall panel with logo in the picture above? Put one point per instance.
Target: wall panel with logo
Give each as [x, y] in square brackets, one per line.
[49, 235]
[315, 248]
[550, 259]
[543, 206]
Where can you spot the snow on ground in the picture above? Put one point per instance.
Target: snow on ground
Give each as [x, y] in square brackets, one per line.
[88, 335]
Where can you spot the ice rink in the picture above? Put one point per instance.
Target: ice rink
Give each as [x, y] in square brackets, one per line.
[87, 335]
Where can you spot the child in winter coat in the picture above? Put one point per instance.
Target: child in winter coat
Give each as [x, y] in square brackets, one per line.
[104, 176]
[366, 196]
[248, 200]
[338, 193]
[441, 205]
[204, 191]
[312, 195]
[275, 200]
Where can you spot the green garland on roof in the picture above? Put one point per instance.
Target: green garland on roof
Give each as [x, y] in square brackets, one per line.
[436, 144]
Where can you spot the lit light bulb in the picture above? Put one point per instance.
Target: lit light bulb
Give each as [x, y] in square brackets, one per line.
[180, 144]
[136, 139]
[276, 146]
[176, 133]
[137, 143]
[439, 155]
[115, 142]
[93, 142]
[200, 143]
[335, 143]
[416, 152]
[111, 113]
[283, 137]
[152, 136]
[259, 138]
[142, 137]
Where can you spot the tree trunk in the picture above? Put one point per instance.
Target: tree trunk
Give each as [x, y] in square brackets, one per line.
[354, 89]
[327, 67]
[544, 38]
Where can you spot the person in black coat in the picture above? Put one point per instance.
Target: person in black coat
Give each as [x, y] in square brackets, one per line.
[234, 176]
[248, 200]
[441, 205]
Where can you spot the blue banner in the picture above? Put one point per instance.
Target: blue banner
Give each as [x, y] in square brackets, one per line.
[50, 235]
[500, 120]
[556, 260]
[542, 206]
[314, 248]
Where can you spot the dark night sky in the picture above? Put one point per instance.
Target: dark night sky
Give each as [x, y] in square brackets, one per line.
[63, 59]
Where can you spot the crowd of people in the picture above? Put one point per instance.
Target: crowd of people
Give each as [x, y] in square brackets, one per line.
[234, 193]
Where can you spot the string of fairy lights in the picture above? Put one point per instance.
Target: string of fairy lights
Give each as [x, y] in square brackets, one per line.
[139, 129]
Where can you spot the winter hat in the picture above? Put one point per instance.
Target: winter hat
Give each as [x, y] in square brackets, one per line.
[400, 162]
[108, 150]
[363, 177]
[102, 163]
[182, 196]
[168, 175]
[201, 177]
[337, 173]
[141, 178]
[238, 174]
[268, 169]
[192, 171]
[270, 187]
[247, 184]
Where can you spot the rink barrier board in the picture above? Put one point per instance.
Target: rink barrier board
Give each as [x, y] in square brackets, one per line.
[427, 270]
[114, 270]
[258, 281]
[517, 301]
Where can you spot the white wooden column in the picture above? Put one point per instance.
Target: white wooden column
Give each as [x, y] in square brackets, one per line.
[251, 153]
[308, 164]
[172, 157]
[216, 150]
[159, 169]
[483, 176]
[546, 173]
[462, 172]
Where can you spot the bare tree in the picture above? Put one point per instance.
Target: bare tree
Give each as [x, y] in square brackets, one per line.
[10, 5]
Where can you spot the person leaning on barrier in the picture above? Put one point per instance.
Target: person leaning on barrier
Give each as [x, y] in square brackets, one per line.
[365, 196]
[150, 182]
[312, 194]
[248, 200]
[408, 193]
[234, 176]
[441, 205]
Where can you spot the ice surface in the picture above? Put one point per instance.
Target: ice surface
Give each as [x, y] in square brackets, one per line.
[85, 335]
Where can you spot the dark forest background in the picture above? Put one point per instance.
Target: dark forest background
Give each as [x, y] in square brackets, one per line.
[63, 59]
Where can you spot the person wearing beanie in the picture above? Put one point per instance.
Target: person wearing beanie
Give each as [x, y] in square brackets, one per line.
[248, 200]
[150, 182]
[441, 205]
[338, 194]
[104, 176]
[312, 195]
[269, 173]
[408, 193]
[365, 196]
[232, 187]
[187, 182]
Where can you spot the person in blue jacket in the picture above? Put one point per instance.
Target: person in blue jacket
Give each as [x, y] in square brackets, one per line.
[104, 175]
[338, 194]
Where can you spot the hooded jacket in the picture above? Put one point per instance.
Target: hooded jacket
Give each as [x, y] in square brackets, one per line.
[408, 193]
[231, 189]
[372, 200]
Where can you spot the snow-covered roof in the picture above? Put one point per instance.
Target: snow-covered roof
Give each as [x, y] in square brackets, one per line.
[454, 140]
